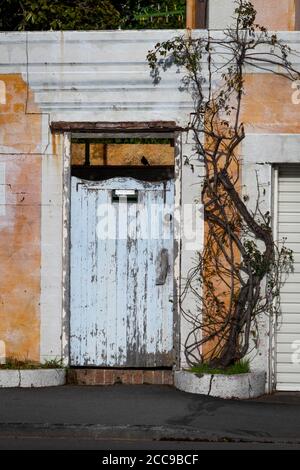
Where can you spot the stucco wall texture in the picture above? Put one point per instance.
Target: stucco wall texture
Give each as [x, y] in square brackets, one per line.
[268, 106]
[267, 109]
[278, 15]
[20, 133]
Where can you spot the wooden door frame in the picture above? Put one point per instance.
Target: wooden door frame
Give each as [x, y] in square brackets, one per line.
[66, 215]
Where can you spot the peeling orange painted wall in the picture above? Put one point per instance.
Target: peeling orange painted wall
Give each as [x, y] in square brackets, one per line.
[20, 135]
[268, 106]
[276, 15]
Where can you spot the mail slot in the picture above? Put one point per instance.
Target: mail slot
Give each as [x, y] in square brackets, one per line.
[126, 195]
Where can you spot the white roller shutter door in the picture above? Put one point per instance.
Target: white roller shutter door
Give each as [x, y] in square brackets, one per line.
[288, 328]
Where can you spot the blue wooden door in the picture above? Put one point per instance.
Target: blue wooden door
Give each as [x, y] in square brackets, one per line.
[121, 273]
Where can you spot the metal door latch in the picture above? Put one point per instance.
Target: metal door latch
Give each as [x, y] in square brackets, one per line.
[163, 267]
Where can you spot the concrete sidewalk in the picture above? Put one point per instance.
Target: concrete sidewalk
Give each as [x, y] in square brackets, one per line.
[146, 412]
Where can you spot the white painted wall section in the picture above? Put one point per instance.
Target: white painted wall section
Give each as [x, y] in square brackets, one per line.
[220, 13]
[2, 189]
[192, 235]
[51, 255]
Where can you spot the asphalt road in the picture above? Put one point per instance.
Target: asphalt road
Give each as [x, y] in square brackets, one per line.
[39, 443]
[96, 417]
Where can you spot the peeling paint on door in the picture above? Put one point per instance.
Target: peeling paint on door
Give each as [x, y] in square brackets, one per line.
[121, 316]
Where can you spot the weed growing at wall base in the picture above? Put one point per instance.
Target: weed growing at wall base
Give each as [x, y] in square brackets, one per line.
[240, 367]
[16, 364]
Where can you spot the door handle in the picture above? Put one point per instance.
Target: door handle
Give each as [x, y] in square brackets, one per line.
[162, 267]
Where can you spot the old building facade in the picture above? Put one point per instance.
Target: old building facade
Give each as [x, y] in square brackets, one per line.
[76, 99]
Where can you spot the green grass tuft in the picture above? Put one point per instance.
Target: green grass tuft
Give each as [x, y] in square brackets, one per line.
[241, 367]
[15, 364]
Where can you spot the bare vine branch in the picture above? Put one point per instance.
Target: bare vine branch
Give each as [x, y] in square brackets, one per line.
[241, 267]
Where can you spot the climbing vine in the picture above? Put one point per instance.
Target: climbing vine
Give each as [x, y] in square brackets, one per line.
[242, 267]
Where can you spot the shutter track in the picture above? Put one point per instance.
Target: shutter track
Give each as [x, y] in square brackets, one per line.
[288, 328]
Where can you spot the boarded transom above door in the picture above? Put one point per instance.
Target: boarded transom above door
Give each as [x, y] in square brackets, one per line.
[121, 273]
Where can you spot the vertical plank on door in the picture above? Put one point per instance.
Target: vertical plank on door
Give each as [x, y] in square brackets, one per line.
[119, 316]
